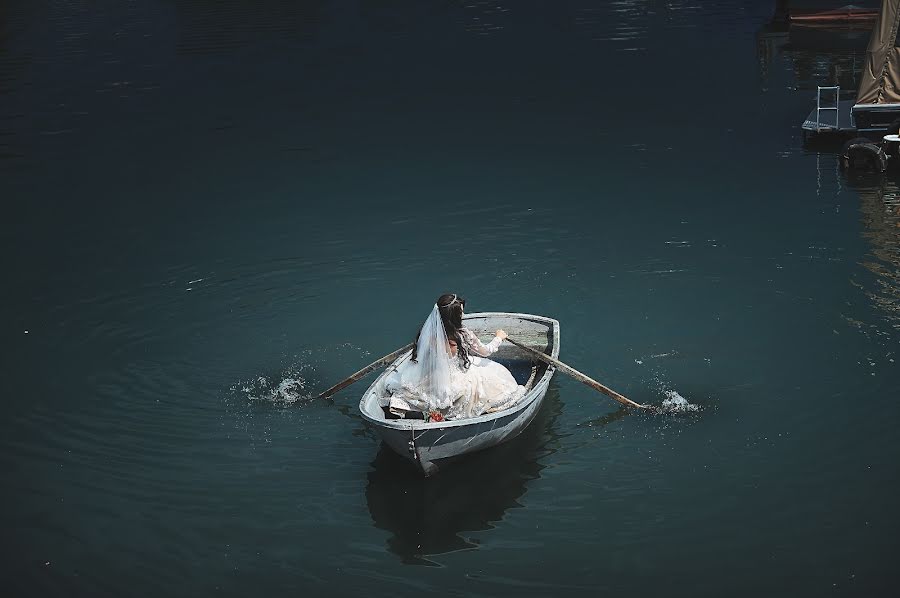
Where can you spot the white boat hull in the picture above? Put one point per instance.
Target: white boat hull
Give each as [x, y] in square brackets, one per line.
[431, 444]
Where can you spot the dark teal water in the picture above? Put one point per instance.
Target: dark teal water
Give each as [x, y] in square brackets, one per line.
[203, 200]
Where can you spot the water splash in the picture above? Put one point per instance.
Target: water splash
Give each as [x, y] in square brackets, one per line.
[286, 389]
[675, 403]
[287, 392]
[297, 383]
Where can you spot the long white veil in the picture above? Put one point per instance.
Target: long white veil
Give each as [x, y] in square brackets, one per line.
[430, 373]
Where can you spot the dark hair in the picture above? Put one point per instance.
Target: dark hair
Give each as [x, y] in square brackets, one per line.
[450, 306]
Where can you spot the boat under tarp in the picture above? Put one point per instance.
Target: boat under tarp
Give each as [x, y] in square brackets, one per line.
[880, 82]
[878, 101]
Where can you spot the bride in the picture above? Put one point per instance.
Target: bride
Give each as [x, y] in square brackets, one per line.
[447, 375]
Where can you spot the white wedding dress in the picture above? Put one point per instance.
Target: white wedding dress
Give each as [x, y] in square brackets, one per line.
[484, 387]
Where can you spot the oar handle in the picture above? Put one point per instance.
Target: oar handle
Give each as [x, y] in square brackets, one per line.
[372, 366]
[578, 375]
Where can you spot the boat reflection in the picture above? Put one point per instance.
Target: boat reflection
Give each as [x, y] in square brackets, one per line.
[811, 54]
[880, 213]
[430, 516]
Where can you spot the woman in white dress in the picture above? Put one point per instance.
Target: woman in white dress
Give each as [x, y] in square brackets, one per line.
[448, 375]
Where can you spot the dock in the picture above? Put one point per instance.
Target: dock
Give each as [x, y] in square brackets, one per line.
[830, 121]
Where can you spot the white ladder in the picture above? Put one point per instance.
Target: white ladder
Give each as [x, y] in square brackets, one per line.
[819, 107]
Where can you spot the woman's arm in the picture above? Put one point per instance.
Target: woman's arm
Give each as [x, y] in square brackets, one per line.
[477, 347]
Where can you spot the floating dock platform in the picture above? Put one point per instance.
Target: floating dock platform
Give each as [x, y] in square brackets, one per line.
[831, 121]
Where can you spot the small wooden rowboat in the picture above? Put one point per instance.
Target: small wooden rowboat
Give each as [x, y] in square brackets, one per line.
[430, 444]
[845, 14]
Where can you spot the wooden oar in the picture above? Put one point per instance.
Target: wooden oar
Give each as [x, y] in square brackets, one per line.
[579, 376]
[372, 366]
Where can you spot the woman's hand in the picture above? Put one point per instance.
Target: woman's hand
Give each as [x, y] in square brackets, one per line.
[501, 334]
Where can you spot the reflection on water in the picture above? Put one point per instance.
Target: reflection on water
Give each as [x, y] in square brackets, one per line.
[813, 55]
[429, 516]
[880, 207]
[633, 25]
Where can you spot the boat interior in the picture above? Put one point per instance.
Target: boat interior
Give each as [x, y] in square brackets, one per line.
[536, 334]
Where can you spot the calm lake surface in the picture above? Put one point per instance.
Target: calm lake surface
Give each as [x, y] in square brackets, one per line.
[206, 201]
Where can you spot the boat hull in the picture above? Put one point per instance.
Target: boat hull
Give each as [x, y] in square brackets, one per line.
[430, 448]
[431, 445]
